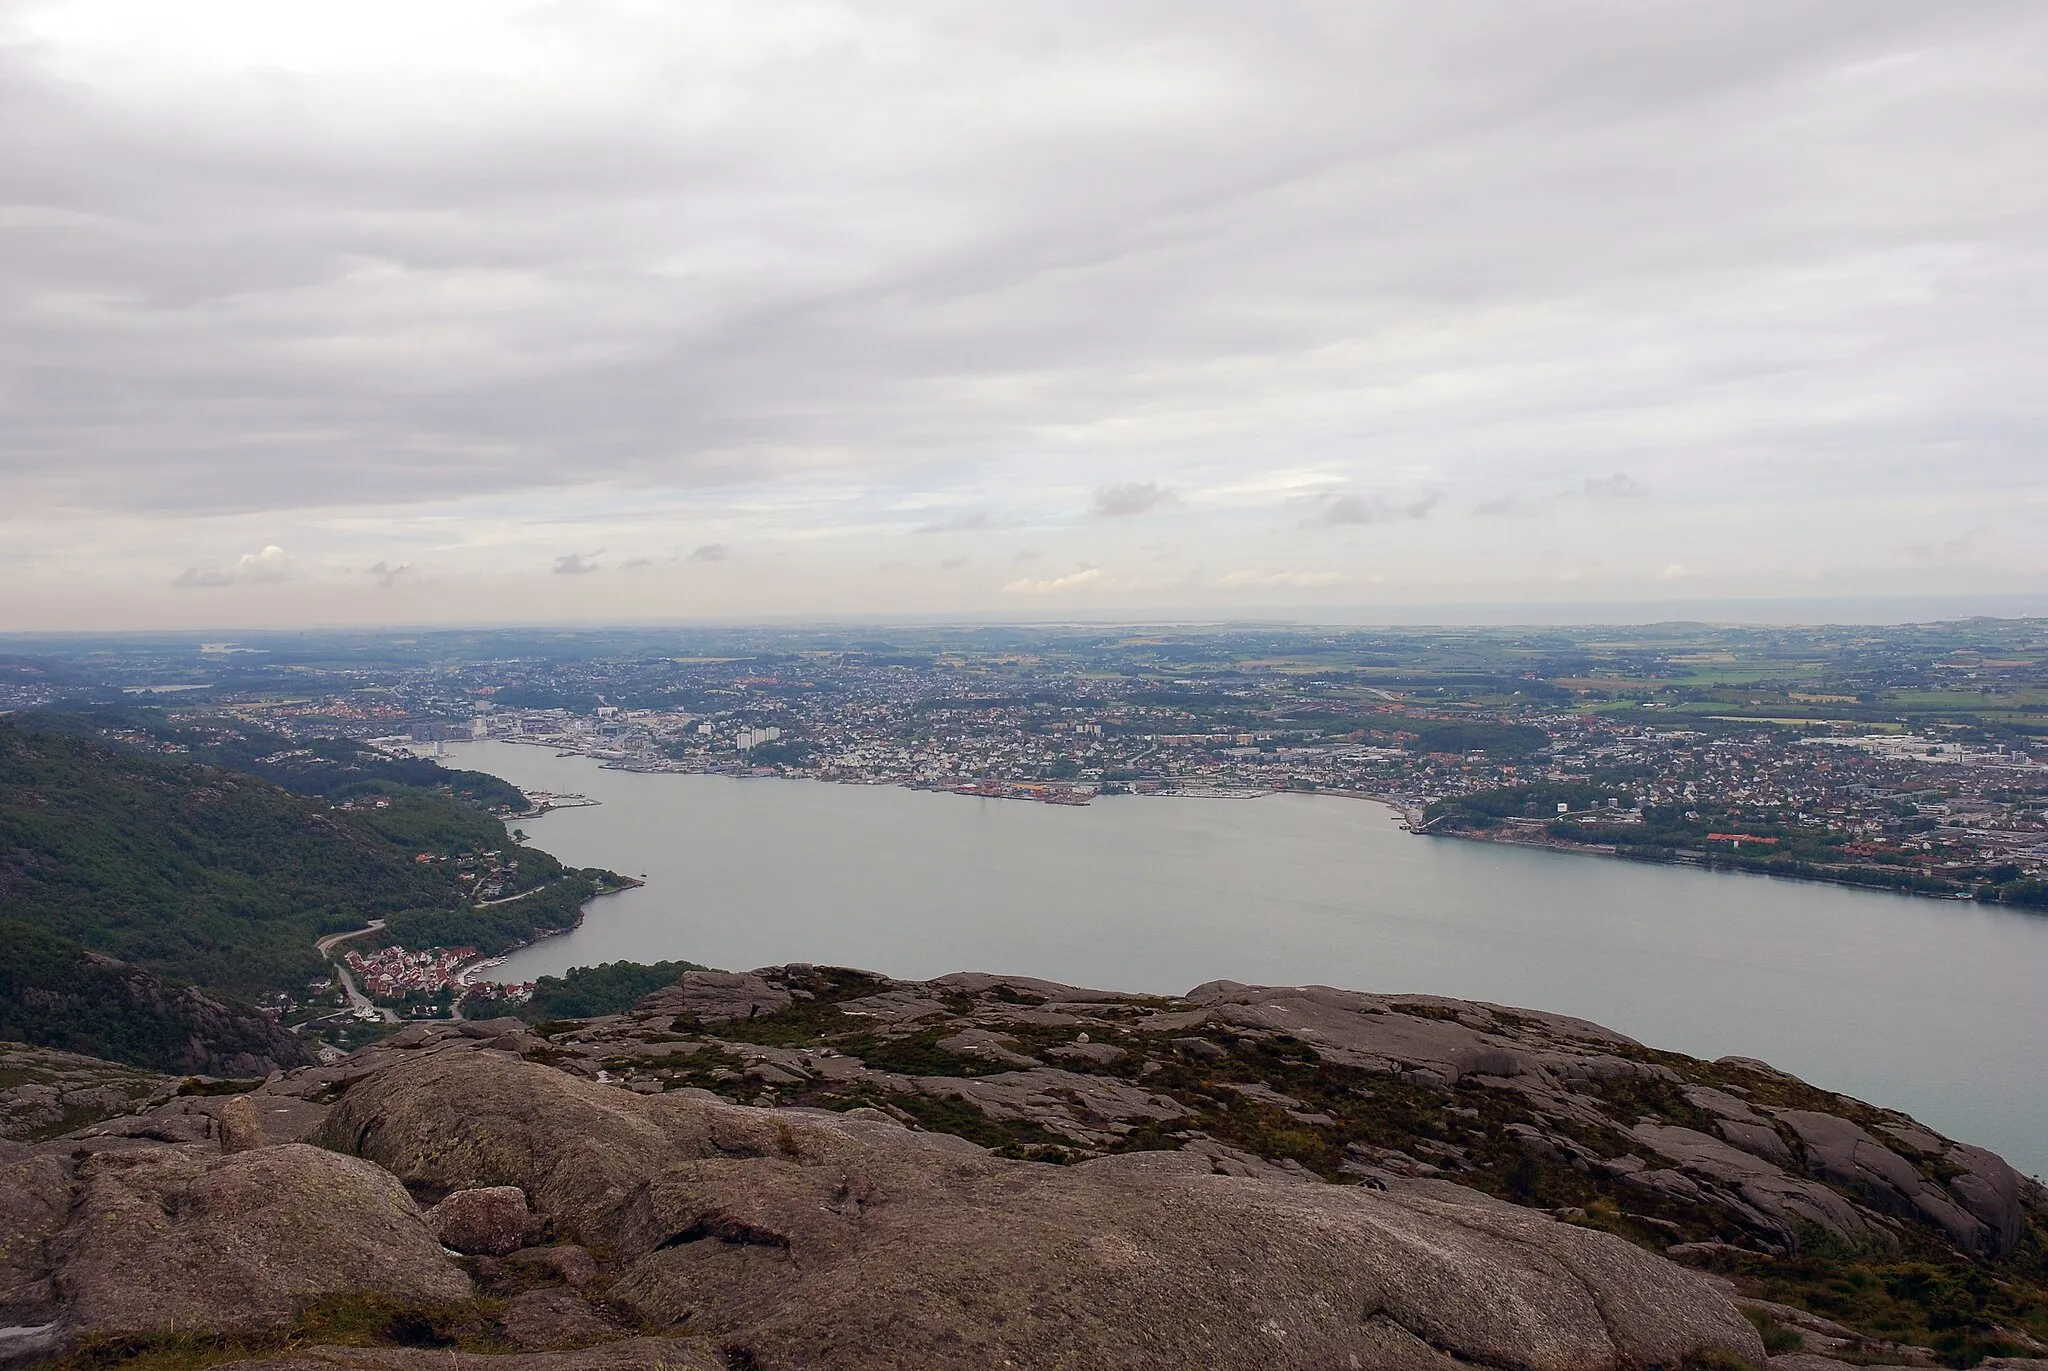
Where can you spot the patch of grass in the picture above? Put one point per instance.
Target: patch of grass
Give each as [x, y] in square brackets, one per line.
[798, 1025]
[376, 1321]
[209, 1088]
[835, 984]
[1441, 1013]
[708, 1068]
[358, 1320]
[1710, 1359]
[917, 1054]
[1630, 1097]
[1955, 1309]
[1777, 1337]
[963, 1119]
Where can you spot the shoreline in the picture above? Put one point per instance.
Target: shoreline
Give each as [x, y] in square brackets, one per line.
[1411, 814]
[625, 883]
[464, 974]
[1706, 862]
[1067, 793]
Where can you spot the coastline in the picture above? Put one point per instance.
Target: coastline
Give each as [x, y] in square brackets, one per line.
[465, 973]
[1069, 793]
[1076, 796]
[1703, 861]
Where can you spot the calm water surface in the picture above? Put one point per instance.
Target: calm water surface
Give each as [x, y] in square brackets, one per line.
[1933, 1006]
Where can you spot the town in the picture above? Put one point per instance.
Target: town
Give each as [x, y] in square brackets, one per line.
[437, 976]
[1912, 757]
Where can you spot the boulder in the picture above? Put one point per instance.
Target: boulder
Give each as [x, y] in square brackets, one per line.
[1090, 1110]
[983, 1045]
[1772, 1205]
[1839, 1150]
[455, 1122]
[712, 997]
[489, 1220]
[802, 1239]
[1757, 1139]
[554, 1321]
[1991, 1192]
[240, 1125]
[36, 1194]
[161, 1236]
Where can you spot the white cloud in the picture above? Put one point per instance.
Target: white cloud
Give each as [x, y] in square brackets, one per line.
[799, 280]
[251, 568]
[1086, 576]
[1272, 580]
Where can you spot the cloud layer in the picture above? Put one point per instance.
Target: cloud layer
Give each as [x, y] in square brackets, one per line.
[1395, 302]
[250, 569]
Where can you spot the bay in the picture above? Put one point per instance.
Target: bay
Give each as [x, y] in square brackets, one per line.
[1936, 1007]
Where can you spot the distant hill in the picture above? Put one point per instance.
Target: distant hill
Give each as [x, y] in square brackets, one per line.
[334, 768]
[207, 875]
[54, 993]
[199, 875]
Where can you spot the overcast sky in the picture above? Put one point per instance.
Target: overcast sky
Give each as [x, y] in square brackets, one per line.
[384, 312]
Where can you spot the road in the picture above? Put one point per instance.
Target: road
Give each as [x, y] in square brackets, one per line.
[517, 895]
[356, 998]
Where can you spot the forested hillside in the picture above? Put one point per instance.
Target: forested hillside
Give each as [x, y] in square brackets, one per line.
[54, 993]
[218, 878]
[208, 875]
[335, 768]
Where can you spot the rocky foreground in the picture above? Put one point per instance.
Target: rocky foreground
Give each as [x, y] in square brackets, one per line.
[816, 1167]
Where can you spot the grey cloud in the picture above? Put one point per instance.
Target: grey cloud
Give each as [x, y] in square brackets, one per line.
[1945, 553]
[1619, 486]
[952, 563]
[193, 577]
[1058, 244]
[388, 575]
[973, 522]
[709, 552]
[1136, 498]
[636, 564]
[576, 563]
[1345, 510]
[1028, 554]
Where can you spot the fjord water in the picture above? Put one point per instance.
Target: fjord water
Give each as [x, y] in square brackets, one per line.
[1936, 1007]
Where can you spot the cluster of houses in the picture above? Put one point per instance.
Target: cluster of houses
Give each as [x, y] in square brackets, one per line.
[392, 973]
[491, 992]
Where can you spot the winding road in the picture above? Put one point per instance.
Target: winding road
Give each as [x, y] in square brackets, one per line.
[356, 998]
